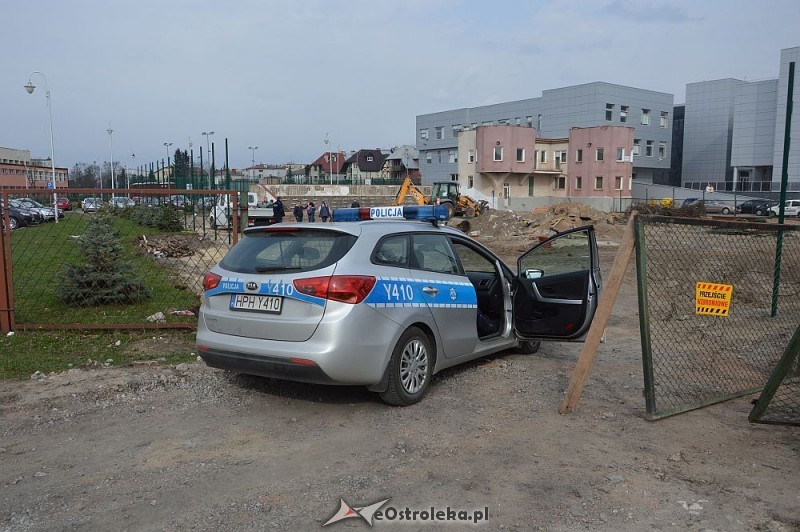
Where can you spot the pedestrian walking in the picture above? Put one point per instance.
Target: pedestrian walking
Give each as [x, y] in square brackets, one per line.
[324, 211]
[298, 212]
[311, 211]
[278, 211]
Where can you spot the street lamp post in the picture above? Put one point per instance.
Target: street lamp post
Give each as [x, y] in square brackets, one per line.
[166, 176]
[207, 134]
[330, 158]
[253, 148]
[111, 145]
[29, 87]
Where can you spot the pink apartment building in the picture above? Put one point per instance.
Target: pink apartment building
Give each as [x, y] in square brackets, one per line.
[600, 162]
[510, 162]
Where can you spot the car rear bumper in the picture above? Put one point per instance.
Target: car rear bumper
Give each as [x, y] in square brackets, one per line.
[265, 366]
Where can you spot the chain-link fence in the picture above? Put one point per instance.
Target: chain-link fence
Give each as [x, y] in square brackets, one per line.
[780, 401]
[131, 259]
[693, 353]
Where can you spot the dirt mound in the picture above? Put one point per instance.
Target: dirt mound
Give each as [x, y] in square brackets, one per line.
[542, 222]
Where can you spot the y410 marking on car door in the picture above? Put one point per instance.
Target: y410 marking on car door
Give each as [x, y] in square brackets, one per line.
[398, 292]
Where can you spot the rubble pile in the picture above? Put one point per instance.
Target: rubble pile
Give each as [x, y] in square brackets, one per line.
[542, 222]
[168, 245]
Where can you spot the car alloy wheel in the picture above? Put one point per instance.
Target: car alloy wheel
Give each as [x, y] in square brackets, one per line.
[410, 369]
[726, 211]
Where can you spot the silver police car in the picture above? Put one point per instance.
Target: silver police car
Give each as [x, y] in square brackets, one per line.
[387, 298]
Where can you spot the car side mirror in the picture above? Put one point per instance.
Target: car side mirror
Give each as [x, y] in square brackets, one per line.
[531, 273]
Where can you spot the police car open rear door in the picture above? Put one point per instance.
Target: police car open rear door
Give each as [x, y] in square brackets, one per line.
[557, 287]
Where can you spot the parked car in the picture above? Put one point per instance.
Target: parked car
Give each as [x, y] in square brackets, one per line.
[178, 200]
[387, 303]
[759, 207]
[29, 216]
[48, 213]
[91, 204]
[122, 203]
[18, 217]
[790, 208]
[711, 206]
[64, 204]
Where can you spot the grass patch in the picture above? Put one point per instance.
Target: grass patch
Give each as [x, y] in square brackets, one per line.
[23, 354]
[40, 252]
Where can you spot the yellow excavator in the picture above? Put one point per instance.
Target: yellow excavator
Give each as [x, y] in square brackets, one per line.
[443, 193]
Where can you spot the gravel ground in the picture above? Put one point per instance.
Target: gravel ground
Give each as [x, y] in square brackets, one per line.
[154, 447]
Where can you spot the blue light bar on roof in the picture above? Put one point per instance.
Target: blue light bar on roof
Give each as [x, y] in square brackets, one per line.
[426, 213]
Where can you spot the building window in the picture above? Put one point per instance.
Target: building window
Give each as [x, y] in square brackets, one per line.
[487, 123]
[423, 134]
[474, 125]
[620, 154]
[645, 117]
[453, 177]
[609, 112]
[471, 156]
[662, 149]
[598, 183]
[498, 153]
[456, 129]
[623, 113]
[518, 121]
[439, 132]
[452, 156]
[429, 157]
[618, 183]
[520, 155]
[636, 146]
[439, 156]
[664, 119]
[470, 181]
[504, 121]
[560, 182]
[599, 155]
[578, 156]
[530, 187]
[561, 156]
[543, 156]
[578, 183]
[506, 190]
[529, 120]
[648, 149]
[369, 158]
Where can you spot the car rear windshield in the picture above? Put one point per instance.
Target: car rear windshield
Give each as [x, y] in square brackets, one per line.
[280, 250]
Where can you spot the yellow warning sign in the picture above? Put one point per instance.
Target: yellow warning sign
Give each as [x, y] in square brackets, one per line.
[712, 299]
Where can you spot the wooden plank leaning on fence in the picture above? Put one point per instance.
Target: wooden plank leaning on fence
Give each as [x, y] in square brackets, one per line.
[598, 327]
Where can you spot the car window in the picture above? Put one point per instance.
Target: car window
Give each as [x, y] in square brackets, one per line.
[567, 254]
[392, 251]
[471, 260]
[433, 252]
[275, 251]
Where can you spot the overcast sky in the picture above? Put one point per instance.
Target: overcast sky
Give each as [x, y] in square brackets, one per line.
[280, 74]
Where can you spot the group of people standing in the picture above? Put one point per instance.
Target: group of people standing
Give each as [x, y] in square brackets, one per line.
[310, 211]
[300, 211]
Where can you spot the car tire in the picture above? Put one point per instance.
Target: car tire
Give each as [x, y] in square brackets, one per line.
[13, 223]
[759, 212]
[212, 222]
[726, 210]
[410, 369]
[527, 347]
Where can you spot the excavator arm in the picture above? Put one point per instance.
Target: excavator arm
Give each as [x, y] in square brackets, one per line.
[408, 187]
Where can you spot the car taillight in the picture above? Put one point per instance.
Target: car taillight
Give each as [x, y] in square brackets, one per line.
[345, 288]
[211, 281]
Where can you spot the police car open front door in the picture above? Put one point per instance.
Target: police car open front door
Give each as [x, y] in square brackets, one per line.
[557, 287]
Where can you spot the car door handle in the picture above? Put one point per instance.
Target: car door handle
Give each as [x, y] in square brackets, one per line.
[430, 290]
